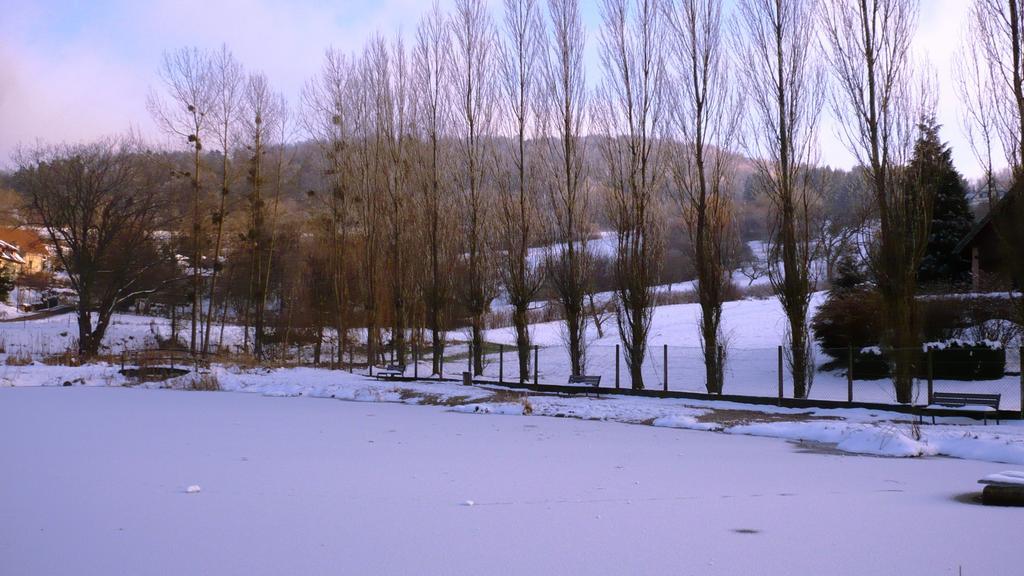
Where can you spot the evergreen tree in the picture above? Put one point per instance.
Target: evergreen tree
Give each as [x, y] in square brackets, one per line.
[850, 276]
[951, 215]
[6, 281]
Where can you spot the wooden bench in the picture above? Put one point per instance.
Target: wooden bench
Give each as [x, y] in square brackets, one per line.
[594, 381]
[390, 372]
[962, 404]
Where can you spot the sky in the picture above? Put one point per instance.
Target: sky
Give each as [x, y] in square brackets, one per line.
[77, 70]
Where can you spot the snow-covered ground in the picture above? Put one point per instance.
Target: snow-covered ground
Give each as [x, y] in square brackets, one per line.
[117, 481]
[753, 329]
[57, 334]
[857, 431]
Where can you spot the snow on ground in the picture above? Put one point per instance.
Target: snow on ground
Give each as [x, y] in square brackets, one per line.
[753, 329]
[57, 334]
[96, 481]
[746, 324]
[848, 430]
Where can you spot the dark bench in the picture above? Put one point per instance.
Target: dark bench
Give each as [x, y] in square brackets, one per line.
[390, 372]
[594, 381]
[962, 404]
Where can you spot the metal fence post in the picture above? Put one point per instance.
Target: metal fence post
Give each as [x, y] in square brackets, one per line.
[616, 366]
[501, 363]
[440, 367]
[536, 362]
[664, 353]
[351, 358]
[781, 378]
[849, 373]
[416, 360]
[931, 375]
[721, 368]
[469, 360]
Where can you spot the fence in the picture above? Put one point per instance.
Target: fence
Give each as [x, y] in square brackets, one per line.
[837, 376]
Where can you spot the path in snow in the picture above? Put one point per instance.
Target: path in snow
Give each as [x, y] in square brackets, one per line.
[94, 482]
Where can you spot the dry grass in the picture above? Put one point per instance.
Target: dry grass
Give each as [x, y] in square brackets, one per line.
[204, 383]
[19, 359]
[728, 417]
[67, 358]
[757, 292]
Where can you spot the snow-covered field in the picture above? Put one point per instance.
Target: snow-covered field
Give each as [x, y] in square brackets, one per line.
[753, 329]
[57, 334]
[119, 481]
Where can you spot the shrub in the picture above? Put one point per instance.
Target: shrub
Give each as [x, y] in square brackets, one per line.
[853, 317]
[962, 360]
[870, 364]
[850, 318]
[204, 383]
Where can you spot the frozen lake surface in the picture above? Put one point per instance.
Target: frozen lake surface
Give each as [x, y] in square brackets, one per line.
[96, 481]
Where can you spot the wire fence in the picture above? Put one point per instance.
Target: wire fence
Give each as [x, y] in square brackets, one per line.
[851, 376]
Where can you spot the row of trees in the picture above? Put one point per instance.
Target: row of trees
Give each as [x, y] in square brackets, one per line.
[444, 165]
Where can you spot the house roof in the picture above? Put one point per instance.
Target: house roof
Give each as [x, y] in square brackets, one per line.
[10, 253]
[985, 222]
[26, 240]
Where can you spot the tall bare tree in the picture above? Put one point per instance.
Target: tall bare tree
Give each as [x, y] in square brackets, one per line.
[564, 111]
[868, 47]
[475, 88]
[259, 126]
[977, 84]
[630, 115]
[188, 78]
[705, 120]
[431, 70]
[328, 119]
[996, 30]
[394, 110]
[785, 85]
[518, 170]
[367, 177]
[227, 77]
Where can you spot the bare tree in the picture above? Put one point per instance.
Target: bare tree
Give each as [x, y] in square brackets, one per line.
[432, 61]
[188, 78]
[564, 112]
[978, 86]
[367, 177]
[227, 77]
[785, 90]
[101, 205]
[394, 108]
[475, 90]
[705, 119]
[328, 119]
[868, 46]
[259, 122]
[630, 115]
[517, 171]
[997, 80]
